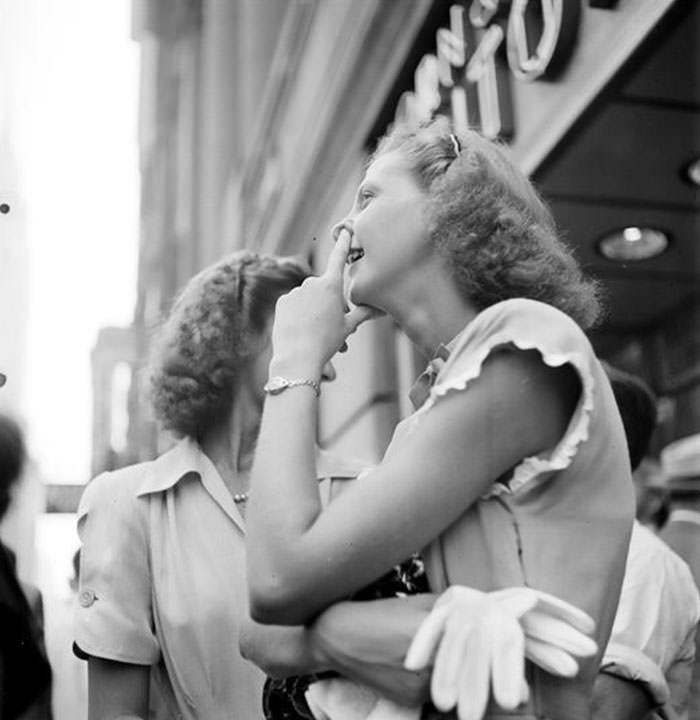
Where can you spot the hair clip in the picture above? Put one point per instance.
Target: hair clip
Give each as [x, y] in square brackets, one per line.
[455, 144]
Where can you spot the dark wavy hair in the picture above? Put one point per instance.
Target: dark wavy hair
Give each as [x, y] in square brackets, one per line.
[13, 455]
[638, 409]
[215, 325]
[485, 217]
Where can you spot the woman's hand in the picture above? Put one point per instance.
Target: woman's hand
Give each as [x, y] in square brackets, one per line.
[279, 651]
[312, 321]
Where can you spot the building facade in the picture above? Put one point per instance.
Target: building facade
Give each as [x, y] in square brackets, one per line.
[258, 116]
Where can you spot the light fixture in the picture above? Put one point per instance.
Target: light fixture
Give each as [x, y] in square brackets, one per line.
[691, 172]
[633, 243]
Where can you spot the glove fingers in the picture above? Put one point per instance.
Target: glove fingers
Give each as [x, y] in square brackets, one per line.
[455, 644]
[548, 629]
[474, 684]
[516, 601]
[507, 661]
[425, 641]
[460, 596]
[522, 599]
[550, 658]
[565, 611]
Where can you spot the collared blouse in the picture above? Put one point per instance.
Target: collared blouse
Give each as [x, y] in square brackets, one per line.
[162, 582]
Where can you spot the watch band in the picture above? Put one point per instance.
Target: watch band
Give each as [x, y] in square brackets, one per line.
[276, 385]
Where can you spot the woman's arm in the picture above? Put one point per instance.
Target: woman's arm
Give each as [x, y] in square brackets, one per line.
[363, 641]
[301, 559]
[280, 650]
[117, 689]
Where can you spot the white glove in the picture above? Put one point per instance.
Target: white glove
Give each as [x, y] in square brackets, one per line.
[479, 642]
[343, 699]
[477, 646]
[555, 631]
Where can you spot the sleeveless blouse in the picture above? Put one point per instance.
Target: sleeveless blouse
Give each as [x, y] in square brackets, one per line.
[561, 523]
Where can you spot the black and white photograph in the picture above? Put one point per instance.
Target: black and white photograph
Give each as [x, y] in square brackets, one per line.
[349, 360]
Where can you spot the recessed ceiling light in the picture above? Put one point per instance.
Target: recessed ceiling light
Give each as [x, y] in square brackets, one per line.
[633, 243]
[691, 172]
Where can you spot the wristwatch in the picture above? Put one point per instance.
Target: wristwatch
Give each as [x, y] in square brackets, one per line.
[276, 385]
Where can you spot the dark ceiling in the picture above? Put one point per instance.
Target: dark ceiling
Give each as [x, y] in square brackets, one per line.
[622, 165]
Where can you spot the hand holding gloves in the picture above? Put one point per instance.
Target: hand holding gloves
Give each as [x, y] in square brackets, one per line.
[478, 642]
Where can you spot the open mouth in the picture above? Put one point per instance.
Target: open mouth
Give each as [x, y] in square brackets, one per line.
[354, 255]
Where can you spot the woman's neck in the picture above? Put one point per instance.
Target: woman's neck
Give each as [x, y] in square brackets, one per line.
[433, 315]
[231, 446]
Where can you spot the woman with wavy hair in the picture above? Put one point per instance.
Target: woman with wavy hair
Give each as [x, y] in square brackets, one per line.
[512, 472]
[162, 583]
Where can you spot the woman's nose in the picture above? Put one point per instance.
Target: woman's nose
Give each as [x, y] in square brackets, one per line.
[328, 374]
[344, 224]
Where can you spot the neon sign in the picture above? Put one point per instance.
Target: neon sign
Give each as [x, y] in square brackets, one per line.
[486, 46]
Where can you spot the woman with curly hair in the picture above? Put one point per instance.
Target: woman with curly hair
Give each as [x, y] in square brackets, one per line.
[162, 584]
[512, 472]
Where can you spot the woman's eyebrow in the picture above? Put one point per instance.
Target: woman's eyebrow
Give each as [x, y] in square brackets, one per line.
[366, 185]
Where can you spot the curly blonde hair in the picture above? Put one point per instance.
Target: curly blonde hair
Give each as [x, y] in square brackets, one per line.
[215, 325]
[485, 217]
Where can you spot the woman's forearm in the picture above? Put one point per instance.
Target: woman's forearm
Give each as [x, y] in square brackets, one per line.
[363, 641]
[367, 642]
[280, 651]
[284, 468]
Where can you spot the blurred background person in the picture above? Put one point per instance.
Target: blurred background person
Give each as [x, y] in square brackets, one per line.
[680, 461]
[638, 409]
[162, 589]
[653, 496]
[649, 659]
[25, 673]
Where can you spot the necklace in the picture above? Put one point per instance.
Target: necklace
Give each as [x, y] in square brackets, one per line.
[240, 497]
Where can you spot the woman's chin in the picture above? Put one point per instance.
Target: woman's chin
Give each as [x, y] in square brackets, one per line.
[356, 293]
[360, 293]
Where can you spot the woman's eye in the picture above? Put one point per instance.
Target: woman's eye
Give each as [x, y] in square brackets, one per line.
[365, 197]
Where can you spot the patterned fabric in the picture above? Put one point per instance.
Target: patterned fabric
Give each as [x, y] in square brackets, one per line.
[283, 699]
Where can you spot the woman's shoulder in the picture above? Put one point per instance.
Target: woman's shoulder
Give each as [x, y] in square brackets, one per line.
[527, 325]
[547, 337]
[528, 314]
[114, 489]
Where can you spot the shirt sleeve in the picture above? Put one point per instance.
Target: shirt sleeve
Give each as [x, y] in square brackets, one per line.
[656, 618]
[524, 325]
[113, 612]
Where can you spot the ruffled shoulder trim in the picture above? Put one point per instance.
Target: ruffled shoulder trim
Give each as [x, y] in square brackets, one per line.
[525, 325]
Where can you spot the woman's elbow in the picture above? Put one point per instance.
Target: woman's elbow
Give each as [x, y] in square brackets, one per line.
[275, 603]
[256, 652]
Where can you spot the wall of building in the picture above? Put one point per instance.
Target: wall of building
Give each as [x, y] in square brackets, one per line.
[256, 121]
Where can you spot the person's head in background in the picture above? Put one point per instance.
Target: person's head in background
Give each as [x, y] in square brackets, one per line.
[680, 461]
[638, 409]
[13, 455]
[210, 360]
